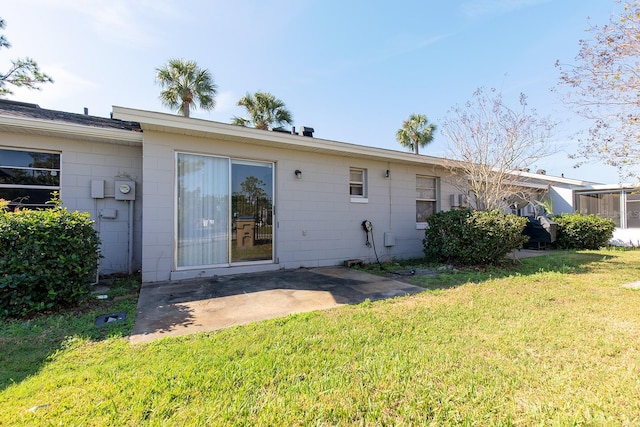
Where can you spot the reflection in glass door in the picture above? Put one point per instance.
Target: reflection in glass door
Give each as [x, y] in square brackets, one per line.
[252, 211]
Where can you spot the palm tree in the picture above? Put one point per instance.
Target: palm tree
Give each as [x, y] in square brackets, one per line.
[265, 111]
[184, 84]
[415, 132]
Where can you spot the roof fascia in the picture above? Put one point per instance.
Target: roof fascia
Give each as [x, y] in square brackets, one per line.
[170, 123]
[554, 179]
[612, 187]
[70, 130]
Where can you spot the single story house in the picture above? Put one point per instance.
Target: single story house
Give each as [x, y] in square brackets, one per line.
[180, 198]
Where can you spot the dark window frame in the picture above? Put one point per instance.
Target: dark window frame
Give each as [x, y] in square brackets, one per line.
[28, 178]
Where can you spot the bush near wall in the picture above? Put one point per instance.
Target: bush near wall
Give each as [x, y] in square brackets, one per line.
[577, 231]
[48, 258]
[467, 237]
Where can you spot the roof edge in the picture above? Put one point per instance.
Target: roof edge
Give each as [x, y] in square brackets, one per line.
[76, 131]
[199, 127]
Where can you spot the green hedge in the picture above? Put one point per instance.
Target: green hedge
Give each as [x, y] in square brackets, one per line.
[577, 231]
[467, 237]
[48, 258]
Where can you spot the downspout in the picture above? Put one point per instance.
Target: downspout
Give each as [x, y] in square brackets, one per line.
[130, 228]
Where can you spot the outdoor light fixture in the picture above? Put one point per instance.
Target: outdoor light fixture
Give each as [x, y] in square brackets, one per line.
[298, 173]
[387, 174]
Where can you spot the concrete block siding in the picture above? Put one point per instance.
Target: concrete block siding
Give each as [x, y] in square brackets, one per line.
[81, 163]
[316, 223]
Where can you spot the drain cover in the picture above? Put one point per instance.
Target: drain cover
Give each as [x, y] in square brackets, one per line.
[111, 318]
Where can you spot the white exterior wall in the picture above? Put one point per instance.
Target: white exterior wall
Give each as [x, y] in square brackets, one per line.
[562, 199]
[82, 162]
[158, 193]
[316, 222]
[626, 237]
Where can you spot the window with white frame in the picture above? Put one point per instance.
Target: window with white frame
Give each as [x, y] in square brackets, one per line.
[426, 197]
[28, 178]
[357, 184]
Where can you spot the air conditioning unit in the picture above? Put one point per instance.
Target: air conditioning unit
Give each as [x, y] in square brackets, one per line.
[458, 200]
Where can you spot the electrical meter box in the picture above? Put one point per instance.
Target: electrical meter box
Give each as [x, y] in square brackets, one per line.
[125, 190]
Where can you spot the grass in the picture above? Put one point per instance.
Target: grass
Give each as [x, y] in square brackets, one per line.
[27, 344]
[554, 341]
[449, 277]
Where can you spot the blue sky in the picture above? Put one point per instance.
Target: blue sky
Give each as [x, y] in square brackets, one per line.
[352, 70]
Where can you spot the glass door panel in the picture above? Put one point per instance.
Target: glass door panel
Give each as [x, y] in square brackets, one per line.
[252, 211]
[202, 210]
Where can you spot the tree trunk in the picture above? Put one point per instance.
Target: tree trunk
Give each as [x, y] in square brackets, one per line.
[185, 108]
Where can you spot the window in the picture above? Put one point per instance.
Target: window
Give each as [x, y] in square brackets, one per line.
[27, 178]
[426, 197]
[358, 184]
[606, 205]
[633, 210]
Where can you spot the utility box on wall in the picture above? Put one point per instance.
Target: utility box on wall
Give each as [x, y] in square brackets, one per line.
[97, 189]
[108, 214]
[125, 190]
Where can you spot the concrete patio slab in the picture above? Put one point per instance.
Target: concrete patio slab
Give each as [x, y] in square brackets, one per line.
[185, 307]
[632, 285]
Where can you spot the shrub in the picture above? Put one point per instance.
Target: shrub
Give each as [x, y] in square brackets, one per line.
[467, 237]
[48, 258]
[577, 231]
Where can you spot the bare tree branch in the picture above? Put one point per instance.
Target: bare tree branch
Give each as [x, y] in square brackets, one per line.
[490, 143]
[604, 87]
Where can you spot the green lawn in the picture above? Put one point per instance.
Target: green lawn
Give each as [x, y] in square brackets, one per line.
[554, 341]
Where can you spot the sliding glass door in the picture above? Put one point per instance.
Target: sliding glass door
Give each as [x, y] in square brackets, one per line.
[224, 211]
[252, 208]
